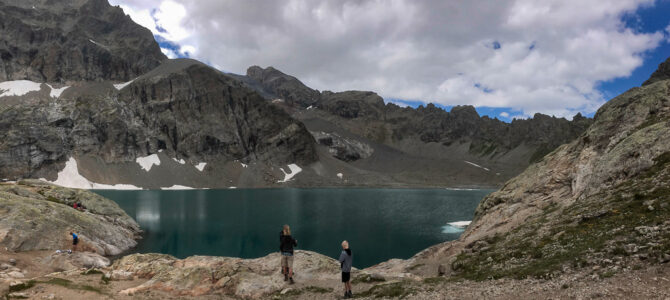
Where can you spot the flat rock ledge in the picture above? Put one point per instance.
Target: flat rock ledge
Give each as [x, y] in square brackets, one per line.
[211, 275]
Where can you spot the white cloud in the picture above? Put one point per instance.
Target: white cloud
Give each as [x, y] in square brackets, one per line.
[169, 53]
[550, 58]
[504, 114]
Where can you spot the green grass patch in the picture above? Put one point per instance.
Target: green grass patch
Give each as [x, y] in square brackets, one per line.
[91, 272]
[587, 226]
[71, 285]
[21, 287]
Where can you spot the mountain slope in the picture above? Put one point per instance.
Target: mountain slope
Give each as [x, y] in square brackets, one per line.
[455, 142]
[601, 201]
[60, 41]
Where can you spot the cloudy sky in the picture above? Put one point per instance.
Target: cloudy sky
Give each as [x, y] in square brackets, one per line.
[509, 58]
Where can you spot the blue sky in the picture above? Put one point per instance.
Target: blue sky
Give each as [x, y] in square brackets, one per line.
[508, 58]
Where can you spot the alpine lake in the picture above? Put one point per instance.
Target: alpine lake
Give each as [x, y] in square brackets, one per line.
[380, 224]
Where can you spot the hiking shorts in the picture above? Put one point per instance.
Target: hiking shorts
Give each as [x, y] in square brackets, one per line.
[346, 276]
[286, 260]
[75, 241]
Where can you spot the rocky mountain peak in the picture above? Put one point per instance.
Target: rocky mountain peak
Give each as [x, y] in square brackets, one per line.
[280, 85]
[662, 73]
[464, 111]
[63, 41]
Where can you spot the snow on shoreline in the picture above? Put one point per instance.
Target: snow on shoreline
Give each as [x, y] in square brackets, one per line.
[148, 161]
[18, 87]
[295, 169]
[177, 187]
[201, 166]
[180, 161]
[455, 227]
[69, 177]
[460, 224]
[476, 165]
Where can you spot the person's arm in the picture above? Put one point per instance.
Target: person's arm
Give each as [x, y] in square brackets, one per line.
[295, 243]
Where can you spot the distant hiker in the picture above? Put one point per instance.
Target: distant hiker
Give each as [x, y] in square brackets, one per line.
[75, 241]
[286, 244]
[346, 259]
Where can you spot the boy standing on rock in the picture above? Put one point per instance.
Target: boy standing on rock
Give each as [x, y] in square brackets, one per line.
[286, 244]
[346, 260]
[75, 241]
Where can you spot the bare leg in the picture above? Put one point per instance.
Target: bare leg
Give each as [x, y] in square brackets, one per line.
[290, 272]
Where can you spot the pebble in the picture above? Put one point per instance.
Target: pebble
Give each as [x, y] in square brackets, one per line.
[12, 262]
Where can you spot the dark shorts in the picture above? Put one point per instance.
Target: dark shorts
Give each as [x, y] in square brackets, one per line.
[75, 241]
[346, 276]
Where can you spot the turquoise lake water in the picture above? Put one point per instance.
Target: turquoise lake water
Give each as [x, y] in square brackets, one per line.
[380, 224]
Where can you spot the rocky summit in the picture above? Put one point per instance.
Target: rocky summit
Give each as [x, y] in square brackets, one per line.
[424, 146]
[79, 40]
[87, 100]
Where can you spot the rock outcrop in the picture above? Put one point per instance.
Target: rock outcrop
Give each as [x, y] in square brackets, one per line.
[279, 85]
[662, 73]
[205, 275]
[601, 201]
[428, 132]
[39, 216]
[63, 41]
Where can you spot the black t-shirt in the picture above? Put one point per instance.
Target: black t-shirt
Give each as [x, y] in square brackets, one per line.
[286, 243]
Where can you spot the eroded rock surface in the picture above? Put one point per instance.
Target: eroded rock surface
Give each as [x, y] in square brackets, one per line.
[39, 216]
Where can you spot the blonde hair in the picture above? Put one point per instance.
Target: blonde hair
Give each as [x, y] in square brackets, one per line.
[287, 230]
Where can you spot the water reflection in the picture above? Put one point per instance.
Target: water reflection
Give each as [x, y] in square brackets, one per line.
[148, 213]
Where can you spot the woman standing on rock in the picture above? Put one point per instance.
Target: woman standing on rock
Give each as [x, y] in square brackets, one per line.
[286, 244]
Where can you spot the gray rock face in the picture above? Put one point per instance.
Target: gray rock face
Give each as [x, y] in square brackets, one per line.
[39, 216]
[283, 86]
[342, 148]
[662, 73]
[183, 106]
[60, 41]
[630, 135]
[366, 114]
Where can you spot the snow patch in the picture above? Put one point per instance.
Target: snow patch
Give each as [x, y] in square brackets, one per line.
[94, 42]
[244, 165]
[120, 86]
[310, 107]
[181, 161]
[177, 187]
[476, 165]
[69, 177]
[148, 161]
[200, 166]
[55, 93]
[340, 175]
[460, 224]
[18, 87]
[455, 227]
[461, 189]
[232, 187]
[288, 176]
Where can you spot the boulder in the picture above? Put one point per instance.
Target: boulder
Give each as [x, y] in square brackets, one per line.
[44, 220]
[207, 275]
[76, 260]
